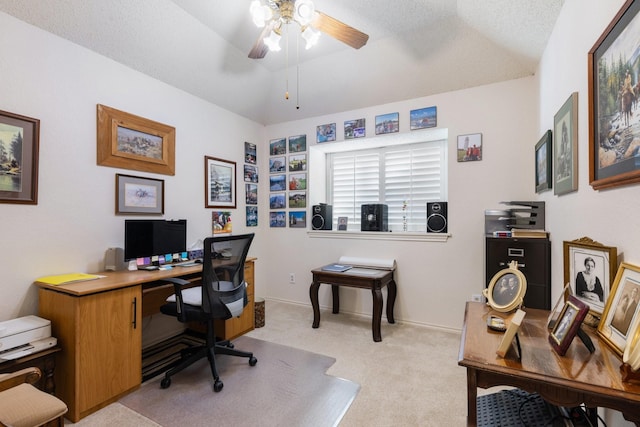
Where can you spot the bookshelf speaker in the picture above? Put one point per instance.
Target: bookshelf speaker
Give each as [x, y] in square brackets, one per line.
[436, 217]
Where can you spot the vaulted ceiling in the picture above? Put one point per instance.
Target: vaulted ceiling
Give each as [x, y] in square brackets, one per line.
[416, 48]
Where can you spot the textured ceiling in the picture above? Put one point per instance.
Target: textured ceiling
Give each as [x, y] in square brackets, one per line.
[416, 48]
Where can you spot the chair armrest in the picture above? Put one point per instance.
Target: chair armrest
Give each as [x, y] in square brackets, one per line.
[27, 375]
[178, 284]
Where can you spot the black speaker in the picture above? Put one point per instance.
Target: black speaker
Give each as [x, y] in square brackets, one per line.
[436, 217]
[322, 217]
[374, 217]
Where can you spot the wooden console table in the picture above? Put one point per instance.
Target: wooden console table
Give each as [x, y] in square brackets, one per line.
[98, 324]
[578, 377]
[364, 278]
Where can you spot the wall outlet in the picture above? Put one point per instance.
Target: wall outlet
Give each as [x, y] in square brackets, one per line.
[292, 277]
[476, 297]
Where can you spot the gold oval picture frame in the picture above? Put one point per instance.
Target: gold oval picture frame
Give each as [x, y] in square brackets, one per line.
[506, 289]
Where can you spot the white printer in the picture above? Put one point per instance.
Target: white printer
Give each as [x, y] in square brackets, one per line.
[24, 335]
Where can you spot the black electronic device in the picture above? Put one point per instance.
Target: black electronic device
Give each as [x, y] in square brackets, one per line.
[436, 217]
[374, 217]
[147, 237]
[322, 217]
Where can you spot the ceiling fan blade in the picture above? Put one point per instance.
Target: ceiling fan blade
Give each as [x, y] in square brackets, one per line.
[339, 30]
[259, 49]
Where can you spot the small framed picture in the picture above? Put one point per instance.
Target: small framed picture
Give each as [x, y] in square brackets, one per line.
[277, 201]
[354, 129]
[250, 155]
[297, 199]
[252, 216]
[621, 307]
[565, 128]
[568, 324]
[297, 143]
[220, 183]
[277, 219]
[342, 223]
[423, 118]
[137, 195]
[544, 173]
[387, 123]
[297, 163]
[277, 164]
[298, 219]
[298, 181]
[506, 289]
[251, 194]
[277, 146]
[326, 133]
[250, 173]
[221, 222]
[470, 147]
[278, 182]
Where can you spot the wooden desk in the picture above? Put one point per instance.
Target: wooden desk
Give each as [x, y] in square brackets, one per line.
[364, 278]
[578, 377]
[45, 360]
[98, 325]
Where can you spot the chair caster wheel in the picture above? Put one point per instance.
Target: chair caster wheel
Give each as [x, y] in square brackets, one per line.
[252, 361]
[217, 386]
[230, 345]
[165, 383]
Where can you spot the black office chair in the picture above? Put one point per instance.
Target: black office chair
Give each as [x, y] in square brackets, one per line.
[222, 295]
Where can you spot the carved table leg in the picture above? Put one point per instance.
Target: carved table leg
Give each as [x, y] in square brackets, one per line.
[377, 314]
[313, 294]
[336, 298]
[392, 292]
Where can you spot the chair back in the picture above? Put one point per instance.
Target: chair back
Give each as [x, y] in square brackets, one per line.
[224, 292]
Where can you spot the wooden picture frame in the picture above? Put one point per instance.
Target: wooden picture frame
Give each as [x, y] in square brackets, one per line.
[589, 268]
[568, 324]
[621, 308]
[612, 160]
[543, 162]
[131, 142]
[219, 183]
[387, 123]
[20, 136]
[506, 289]
[138, 195]
[514, 321]
[423, 118]
[565, 158]
[469, 147]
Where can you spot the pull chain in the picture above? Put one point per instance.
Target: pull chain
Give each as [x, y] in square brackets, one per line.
[286, 94]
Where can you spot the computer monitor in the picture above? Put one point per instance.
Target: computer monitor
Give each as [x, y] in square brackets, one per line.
[147, 237]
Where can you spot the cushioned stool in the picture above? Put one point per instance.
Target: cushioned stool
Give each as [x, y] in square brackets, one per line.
[23, 405]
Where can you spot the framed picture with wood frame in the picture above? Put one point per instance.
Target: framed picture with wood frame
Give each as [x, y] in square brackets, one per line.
[565, 159]
[219, 183]
[568, 324]
[613, 89]
[131, 142]
[138, 195]
[19, 162]
[589, 269]
[544, 173]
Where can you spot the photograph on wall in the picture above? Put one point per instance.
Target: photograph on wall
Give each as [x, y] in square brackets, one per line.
[387, 123]
[298, 219]
[354, 129]
[298, 181]
[297, 143]
[277, 146]
[298, 163]
[277, 219]
[252, 194]
[470, 147]
[326, 133]
[220, 178]
[277, 201]
[565, 160]
[221, 222]
[250, 153]
[297, 199]
[252, 216]
[277, 164]
[423, 118]
[250, 173]
[278, 182]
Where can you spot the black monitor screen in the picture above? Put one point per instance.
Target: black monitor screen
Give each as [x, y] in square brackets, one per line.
[146, 238]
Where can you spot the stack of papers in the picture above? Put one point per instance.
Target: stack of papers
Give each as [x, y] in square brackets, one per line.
[62, 279]
[337, 267]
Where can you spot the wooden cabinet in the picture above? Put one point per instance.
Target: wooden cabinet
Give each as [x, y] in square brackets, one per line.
[100, 335]
[534, 261]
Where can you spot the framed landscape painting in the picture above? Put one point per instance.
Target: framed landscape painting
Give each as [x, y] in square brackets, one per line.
[544, 173]
[565, 128]
[19, 158]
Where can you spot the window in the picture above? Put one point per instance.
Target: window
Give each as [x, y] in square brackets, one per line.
[404, 177]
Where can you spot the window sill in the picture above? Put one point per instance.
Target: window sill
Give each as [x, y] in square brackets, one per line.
[377, 235]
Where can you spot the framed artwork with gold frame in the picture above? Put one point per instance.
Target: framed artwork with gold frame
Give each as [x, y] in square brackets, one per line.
[506, 289]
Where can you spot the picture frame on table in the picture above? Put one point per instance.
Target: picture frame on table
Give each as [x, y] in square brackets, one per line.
[387, 123]
[423, 118]
[543, 154]
[568, 324]
[220, 183]
[565, 158]
[506, 289]
[612, 131]
[19, 171]
[132, 142]
[621, 308]
[589, 268]
[138, 195]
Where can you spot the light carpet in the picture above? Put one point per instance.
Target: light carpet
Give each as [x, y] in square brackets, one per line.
[288, 386]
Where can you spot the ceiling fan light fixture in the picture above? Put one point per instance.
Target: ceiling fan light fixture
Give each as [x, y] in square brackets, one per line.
[260, 13]
[311, 37]
[273, 41]
[304, 12]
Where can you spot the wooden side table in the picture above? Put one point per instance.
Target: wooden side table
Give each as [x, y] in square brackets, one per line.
[45, 360]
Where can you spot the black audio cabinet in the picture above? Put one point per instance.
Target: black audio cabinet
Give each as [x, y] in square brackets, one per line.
[534, 261]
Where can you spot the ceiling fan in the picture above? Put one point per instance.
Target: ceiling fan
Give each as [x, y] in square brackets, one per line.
[276, 14]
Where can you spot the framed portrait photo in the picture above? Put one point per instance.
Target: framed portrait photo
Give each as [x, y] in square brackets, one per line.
[621, 308]
[589, 268]
[506, 289]
[568, 324]
[19, 177]
[612, 83]
[469, 147]
[565, 159]
[220, 183]
[544, 153]
[137, 195]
